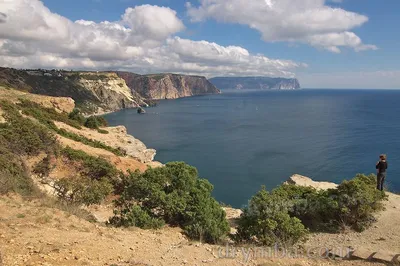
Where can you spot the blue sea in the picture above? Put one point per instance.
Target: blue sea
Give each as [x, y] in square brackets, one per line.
[241, 140]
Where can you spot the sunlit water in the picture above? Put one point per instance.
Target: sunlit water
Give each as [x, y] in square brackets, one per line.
[243, 140]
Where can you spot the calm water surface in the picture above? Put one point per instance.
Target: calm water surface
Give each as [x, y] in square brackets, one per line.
[242, 140]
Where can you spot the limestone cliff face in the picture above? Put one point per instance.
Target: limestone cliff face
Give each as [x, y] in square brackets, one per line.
[99, 92]
[255, 83]
[168, 86]
[95, 92]
[111, 91]
[304, 181]
[60, 104]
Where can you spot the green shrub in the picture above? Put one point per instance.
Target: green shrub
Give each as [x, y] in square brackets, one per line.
[14, 175]
[83, 190]
[94, 182]
[95, 122]
[23, 136]
[43, 168]
[92, 122]
[316, 209]
[175, 194]
[93, 167]
[358, 199]
[102, 131]
[76, 115]
[137, 216]
[203, 218]
[282, 215]
[102, 121]
[46, 115]
[266, 221]
[90, 142]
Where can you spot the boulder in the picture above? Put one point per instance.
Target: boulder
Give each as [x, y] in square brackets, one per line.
[304, 181]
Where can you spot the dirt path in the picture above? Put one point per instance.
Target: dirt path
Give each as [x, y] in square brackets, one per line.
[384, 235]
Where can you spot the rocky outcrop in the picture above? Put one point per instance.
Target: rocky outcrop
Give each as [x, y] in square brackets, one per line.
[101, 92]
[304, 181]
[261, 83]
[117, 137]
[60, 104]
[94, 92]
[2, 119]
[168, 86]
[111, 91]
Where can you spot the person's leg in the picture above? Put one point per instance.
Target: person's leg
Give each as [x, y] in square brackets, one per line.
[378, 182]
[382, 180]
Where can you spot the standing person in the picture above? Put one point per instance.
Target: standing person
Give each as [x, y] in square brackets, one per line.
[381, 167]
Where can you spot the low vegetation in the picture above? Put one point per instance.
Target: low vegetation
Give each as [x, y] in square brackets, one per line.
[289, 212]
[90, 142]
[266, 221]
[95, 122]
[47, 116]
[93, 182]
[77, 116]
[93, 167]
[21, 137]
[175, 195]
[83, 190]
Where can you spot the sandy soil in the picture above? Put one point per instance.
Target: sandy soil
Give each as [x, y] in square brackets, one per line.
[384, 235]
[116, 138]
[122, 163]
[60, 104]
[31, 234]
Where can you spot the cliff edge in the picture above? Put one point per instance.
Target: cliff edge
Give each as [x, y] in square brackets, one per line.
[255, 83]
[101, 92]
[168, 86]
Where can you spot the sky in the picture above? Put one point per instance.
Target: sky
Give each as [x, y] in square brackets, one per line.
[323, 43]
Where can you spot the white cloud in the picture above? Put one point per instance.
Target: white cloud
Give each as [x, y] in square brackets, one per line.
[3, 17]
[156, 22]
[142, 41]
[307, 21]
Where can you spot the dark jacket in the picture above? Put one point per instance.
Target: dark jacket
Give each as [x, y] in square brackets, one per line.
[382, 166]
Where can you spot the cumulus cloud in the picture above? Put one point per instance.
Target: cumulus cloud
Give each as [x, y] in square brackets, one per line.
[143, 41]
[307, 21]
[3, 17]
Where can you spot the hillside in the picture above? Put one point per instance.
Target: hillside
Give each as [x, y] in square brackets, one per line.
[38, 233]
[39, 129]
[168, 86]
[99, 92]
[259, 83]
[75, 192]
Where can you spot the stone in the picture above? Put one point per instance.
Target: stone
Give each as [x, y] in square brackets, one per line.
[387, 256]
[304, 181]
[362, 253]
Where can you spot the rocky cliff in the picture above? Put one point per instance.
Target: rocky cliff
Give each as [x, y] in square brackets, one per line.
[91, 91]
[60, 104]
[262, 83]
[111, 91]
[168, 86]
[98, 92]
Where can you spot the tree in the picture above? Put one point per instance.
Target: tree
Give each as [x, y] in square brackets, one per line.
[266, 221]
[176, 195]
